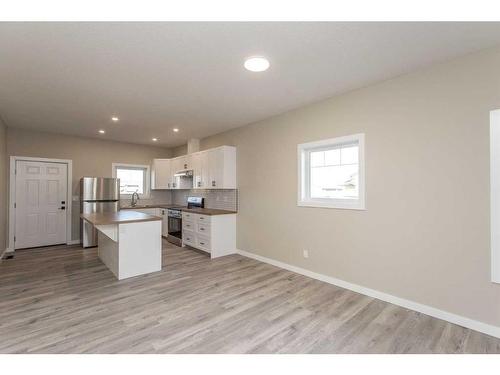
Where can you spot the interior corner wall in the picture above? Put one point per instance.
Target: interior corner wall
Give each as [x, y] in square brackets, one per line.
[425, 235]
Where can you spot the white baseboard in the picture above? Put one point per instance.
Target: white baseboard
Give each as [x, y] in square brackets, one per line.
[424, 309]
[73, 242]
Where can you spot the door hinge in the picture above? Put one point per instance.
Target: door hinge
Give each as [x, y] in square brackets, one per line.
[15, 205]
[14, 238]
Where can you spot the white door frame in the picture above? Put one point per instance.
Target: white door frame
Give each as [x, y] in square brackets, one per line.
[12, 195]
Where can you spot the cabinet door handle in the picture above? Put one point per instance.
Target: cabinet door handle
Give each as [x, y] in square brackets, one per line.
[202, 243]
[213, 183]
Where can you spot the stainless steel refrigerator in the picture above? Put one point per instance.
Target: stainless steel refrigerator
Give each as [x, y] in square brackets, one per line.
[97, 194]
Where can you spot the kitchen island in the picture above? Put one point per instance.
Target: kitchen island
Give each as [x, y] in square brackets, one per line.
[129, 242]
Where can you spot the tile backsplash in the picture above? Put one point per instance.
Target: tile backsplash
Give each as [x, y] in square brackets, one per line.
[156, 197]
[222, 199]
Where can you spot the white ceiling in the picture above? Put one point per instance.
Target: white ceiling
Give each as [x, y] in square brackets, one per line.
[71, 77]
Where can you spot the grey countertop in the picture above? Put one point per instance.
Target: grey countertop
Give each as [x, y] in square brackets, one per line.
[120, 217]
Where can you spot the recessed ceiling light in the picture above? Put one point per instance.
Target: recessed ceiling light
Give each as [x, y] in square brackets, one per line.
[155, 139]
[102, 131]
[115, 119]
[175, 130]
[257, 64]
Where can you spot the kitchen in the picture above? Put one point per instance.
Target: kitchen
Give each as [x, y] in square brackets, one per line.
[197, 188]
[106, 216]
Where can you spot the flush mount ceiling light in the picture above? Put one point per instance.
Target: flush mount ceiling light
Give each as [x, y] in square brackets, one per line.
[175, 130]
[102, 131]
[155, 139]
[256, 64]
[115, 119]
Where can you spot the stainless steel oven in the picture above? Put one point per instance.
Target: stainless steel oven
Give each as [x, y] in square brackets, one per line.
[174, 226]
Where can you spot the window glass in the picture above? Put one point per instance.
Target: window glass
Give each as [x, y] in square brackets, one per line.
[131, 180]
[349, 155]
[317, 159]
[339, 182]
[332, 157]
[331, 173]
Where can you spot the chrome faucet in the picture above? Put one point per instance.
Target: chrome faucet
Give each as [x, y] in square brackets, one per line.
[135, 198]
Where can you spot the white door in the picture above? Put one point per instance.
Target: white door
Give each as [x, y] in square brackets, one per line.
[40, 206]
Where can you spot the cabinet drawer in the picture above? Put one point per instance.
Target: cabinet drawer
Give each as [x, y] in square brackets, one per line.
[188, 216]
[189, 238]
[203, 242]
[188, 225]
[204, 219]
[203, 228]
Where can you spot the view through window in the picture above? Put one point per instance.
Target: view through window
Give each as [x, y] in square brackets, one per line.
[132, 179]
[331, 173]
[335, 173]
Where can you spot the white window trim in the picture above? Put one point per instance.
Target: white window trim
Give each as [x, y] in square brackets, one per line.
[354, 204]
[147, 187]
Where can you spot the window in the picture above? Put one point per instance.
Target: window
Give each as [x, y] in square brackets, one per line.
[133, 178]
[331, 173]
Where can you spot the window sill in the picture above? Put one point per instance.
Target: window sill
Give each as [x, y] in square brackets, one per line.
[343, 205]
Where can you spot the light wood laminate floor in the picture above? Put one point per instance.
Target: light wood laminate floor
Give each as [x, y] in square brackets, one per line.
[64, 300]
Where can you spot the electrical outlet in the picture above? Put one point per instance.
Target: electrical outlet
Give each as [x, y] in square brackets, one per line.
[305, 253]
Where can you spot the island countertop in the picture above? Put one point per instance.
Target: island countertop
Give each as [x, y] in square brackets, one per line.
[120, 217]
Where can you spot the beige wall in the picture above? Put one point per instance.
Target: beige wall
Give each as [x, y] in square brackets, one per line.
[425, 233]
[91, 157]
[3, 187]
[179, 151]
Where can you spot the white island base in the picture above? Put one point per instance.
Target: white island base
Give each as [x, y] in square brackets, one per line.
[130, 249]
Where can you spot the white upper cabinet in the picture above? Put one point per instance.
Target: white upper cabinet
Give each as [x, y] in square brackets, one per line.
[187, 162]
[222, 168]
[212, 169]
[200, 170]
[196, 165]
[160, 174]
[177, 164]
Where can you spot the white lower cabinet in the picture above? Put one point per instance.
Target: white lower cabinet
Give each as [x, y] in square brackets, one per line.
[214, 234]
[163, 212]
[189, 238]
